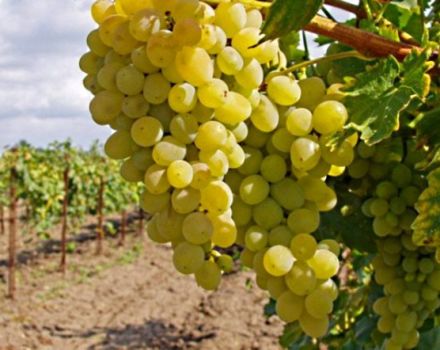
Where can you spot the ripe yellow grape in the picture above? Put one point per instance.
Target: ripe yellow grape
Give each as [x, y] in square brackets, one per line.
[201, 175]
[146, 131]
[280, 235]
[278, 260]
[254, 18]
[267, 51]
[241, 212]
[154, 203]
[170, 73]
[197, 228]
[284, 90]
[312, 326]
[179, 174]
[208, 276]
[340, 155]
[225, 231]
[130, 7]
[168, 150]
[122, 41]
[119, 145]
[329, 117]
[313, 91]
[135, 106]
[319, 304]
[194, 65]
[185, 200]
[184, 128]
[324, 263]
[289, 306]
[288, 194]
[100, 10]
[256, 238]
[246, 40]
[211, 136]
[303, 220]
[156, 180]
[144, 23]
[161, 48]
[236, 109]
[282, 140]
[153, 232]
[254, 189]
[305, 153]
[182, 98]
[276, 286]
[220, 43]
[141, 61]
[156, 88]
[108, 28]
[96, 45]
[268, 213]
[299, 121]
[90, 63]
[187, 32]
[213, 94]
[129, 80]
[229, 61]
[106, 106]
[265, 117]
[188, 258]
[251, 75]
[231, 17]
[216, 197]
[122, 122]
[130, 173]
[208, 37]
[90, 82]
[303, 246]
[273, 168]
[216, 160]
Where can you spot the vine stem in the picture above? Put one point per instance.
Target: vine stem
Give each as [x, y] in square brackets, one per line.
[334, 57]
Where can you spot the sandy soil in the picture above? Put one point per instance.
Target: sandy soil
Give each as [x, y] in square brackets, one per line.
[129, 298]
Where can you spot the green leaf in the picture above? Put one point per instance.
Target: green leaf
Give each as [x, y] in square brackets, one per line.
[427, 127]
[289, 15]
[430, 340]
[427, 225]
[378, 96]
[406, 18]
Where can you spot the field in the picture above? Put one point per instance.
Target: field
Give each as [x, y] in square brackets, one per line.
[131, 297]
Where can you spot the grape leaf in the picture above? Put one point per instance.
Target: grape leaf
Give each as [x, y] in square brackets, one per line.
[406, 18]
[427, 225]
[430, 340]
[376, 97]
[427, 127]
[289, 15]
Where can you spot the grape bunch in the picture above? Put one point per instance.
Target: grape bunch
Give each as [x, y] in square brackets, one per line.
[409, 274]
[228, 153]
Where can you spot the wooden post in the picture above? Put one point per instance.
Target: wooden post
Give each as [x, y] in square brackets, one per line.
[123, 228]
[2, 220]
[12, 233]
[64, 220]
[141, 222]
[100, 227]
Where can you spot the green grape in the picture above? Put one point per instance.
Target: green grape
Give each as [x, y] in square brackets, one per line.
[108, 28]
[256, 138]
[301, 279]
[141, 61]
[90, 82]
[401, 175]
[410, 195]
[153, 232]
[184, 128]
[395, 286]
[282, 140]
[303, 220]
[341, 155]
[397, 205]
[280, 235]
[278, 260]
[236, 157]
[240, 131]
[169, 224]
[163, 113]
[229, 61]
[130, 173]
[256, 238]
[208, 276]
[179, 174]
[330, 288]
[330, 245]
[201, 175]
[359, 168]
[146, 131]
[156, 180]
[168, 150]
[122, 41]
[268, 51]
[182, 98]
[392, 245]
[156, 88]
[273, 168]
[411, 297]
[185, 9]
[122, 122]
[319, 304]
[135, 106]
[144, 23]
[265, 117]
[231, 17]
[410, 264]
[313, 91]
[119, 145]
[312, 326]
[213, 94]
[381, 227]
[202, 113]
[429, 294]
[251, 75]
[268, 214]
[216, 197]
[188, 258]
[379, 207]
[380, 306]
[208, 36]
[386, 323]
[386, 190]
[254, 189]
[216, 160]
[142, 159]
[241, 212]
[194, 65]
[329, 117]
[289, 307]
[305, 153]
[161, 48]
[406, 321]
[236, 109]
[154, 203]
[101, 9]
[303, 246]
[299, 121]
[197, 228]
[283, 90]
[246, 40]
[252, 162]
[413, 339]
[276, 286]
[397, 304]
[225, 263]
[90, 63]
[324, 263]
[211, 136]
[185, 200]
[170, 73]
[106, 106]
[96, 45]
[106, 76]
[426, 266]
[187, 32]
[288, 194]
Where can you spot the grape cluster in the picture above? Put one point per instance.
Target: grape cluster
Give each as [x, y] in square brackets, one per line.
[409, 274]
[228, 154]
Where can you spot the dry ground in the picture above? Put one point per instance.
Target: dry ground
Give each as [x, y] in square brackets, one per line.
[129, 298]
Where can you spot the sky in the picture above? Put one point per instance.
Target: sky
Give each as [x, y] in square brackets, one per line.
[41, 93]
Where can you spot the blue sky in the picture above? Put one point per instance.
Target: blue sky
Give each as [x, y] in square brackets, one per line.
[41, 93]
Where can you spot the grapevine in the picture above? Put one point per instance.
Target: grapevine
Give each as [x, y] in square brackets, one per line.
[236, 147]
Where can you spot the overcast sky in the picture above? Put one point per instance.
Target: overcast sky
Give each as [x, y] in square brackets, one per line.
[41, 93]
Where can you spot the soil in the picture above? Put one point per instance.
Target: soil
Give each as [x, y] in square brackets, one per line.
[130, 297]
